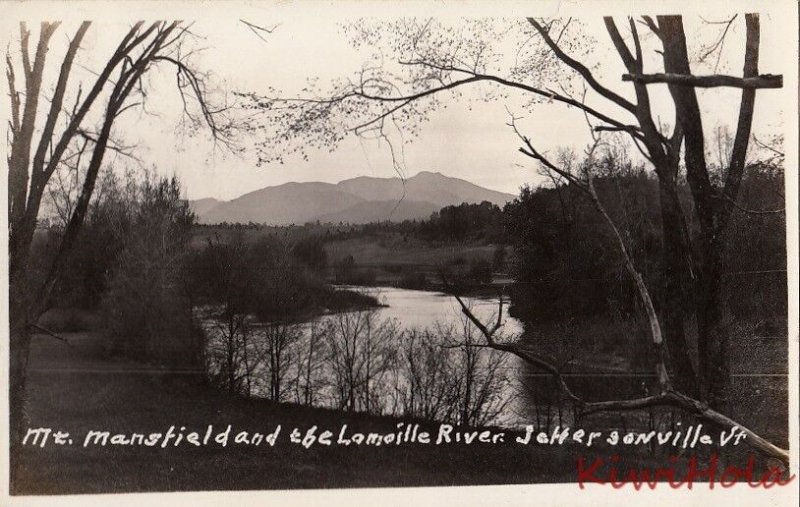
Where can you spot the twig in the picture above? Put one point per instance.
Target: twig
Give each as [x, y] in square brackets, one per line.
[720, 43]
[256, 29]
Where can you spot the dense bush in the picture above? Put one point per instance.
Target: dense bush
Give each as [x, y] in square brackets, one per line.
[347, 273]
[106, 229]
[147, 306]
[310, 251]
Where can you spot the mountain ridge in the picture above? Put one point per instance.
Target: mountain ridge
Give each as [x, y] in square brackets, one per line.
[356, 200]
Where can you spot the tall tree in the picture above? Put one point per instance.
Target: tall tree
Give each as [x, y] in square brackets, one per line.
[435, 60]
[62, 133]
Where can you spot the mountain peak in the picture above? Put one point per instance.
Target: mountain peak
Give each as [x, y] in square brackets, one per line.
[428, 175]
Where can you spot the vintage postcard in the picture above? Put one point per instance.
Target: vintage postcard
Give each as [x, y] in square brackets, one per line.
[375, 252]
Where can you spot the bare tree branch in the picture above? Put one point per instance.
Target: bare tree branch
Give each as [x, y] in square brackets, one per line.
[750, 211]
[512, 348]
[652, 138]
[474, 78]
[126, 151]
[778, 153]
[710, 81]
[14, 96]
[46, 139]
[745, 121]
[720, 42]
[648, 20]
[695, 407]
[258, 30]
[582, 69]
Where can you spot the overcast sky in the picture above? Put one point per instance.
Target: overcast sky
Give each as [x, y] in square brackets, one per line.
[468, 139]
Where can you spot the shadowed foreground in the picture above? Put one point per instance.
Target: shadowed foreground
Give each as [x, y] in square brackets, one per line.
[77, 389]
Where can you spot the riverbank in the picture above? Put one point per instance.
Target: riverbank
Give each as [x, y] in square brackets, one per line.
[329, 299]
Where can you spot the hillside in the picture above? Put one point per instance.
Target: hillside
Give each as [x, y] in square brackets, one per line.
[291, 203]
[357, 200]
[201, 206]
[377, 211]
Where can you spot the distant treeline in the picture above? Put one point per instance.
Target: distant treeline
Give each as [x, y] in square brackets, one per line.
[456, 223]
[565, 260]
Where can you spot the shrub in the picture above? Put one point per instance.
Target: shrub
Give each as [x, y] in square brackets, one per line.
[147, 307]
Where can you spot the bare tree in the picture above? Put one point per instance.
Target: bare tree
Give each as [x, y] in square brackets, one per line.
[278, 341]
[428, 384]
[309, 378]
[231, 360]
[483, 387]
[362, 353]
[38, 149]
[224, 276]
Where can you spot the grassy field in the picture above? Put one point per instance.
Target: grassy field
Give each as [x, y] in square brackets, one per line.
[396, 249]
[394, 259]
[77, 388]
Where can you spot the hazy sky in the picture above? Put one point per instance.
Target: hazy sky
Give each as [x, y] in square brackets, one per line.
[468, 139]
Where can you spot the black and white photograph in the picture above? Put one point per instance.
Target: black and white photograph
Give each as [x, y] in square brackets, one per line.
[382, 252]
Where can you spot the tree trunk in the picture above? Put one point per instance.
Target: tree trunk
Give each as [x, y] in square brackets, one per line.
[712, 341]
[712, 337]
[676, 273]
[19, 347]
[677, 261]
[18, 351]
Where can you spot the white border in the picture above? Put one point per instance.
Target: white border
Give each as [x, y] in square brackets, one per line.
[784, 19]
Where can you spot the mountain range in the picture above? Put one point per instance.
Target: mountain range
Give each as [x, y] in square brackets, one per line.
[356, 201]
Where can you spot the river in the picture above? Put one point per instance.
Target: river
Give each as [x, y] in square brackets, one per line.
[427, 309]
[532, 392]
[419, 309]
[528, 391]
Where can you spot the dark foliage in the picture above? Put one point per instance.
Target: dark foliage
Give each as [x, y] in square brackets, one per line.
[310, 252]
[465, 221]
[268, 277]
[147, 306]
[566, 263]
